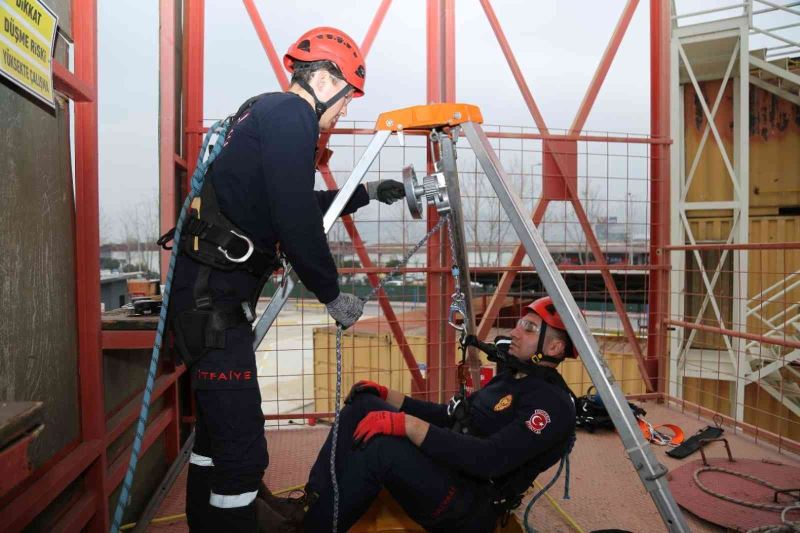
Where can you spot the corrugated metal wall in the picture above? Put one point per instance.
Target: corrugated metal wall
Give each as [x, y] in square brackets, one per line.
[38, 344]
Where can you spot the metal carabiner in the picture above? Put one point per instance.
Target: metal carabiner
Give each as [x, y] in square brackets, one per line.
[245, 257]
[457, 307]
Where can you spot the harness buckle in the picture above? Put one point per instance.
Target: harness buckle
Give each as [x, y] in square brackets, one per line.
[246, 256]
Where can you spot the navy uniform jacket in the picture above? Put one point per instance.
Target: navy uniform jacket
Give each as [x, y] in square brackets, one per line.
[515, 424]
[264, 180]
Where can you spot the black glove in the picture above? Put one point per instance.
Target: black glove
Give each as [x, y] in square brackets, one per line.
[386, 191]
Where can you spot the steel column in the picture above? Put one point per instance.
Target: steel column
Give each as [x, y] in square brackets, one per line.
[658, 291]
[87, 258]
[166, 124]
[440, 75]
[193, 55]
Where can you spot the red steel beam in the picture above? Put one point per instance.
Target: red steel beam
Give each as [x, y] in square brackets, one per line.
[561, 163]
[193, 54]
[70, 85]
[87, 258]
[22, 510]
[448, 54]
[383, 300]
[77, 516]
[777, 341]
[499, 296]
[543, 136]
[130, 412]
[166, 125]
[117, 469]
[602, 68]
[128, 339]
[658, 292]
[515, 70]
[588, 268]
[581, 214]
[366, 45]
[611, 286]
[266, 42]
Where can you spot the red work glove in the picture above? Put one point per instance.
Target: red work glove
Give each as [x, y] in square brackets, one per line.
[369, 387]
[380, 423]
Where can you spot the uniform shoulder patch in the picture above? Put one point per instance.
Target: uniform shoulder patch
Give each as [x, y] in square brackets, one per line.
[504, 403]
[538, 421]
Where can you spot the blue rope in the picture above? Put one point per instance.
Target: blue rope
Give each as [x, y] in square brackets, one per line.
[219, 128]
[564, 461]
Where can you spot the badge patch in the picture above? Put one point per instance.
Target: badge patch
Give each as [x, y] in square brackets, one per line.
[504, 403]
[538, 421]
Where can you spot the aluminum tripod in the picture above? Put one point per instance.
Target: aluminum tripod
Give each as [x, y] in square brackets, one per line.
[441, 189]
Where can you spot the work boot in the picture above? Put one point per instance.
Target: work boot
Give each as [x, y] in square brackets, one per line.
[292, 509]
[269, 521]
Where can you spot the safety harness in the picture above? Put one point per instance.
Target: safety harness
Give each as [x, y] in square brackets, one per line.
[209, 238]
[509, 491]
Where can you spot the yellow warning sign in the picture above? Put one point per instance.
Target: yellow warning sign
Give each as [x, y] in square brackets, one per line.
[27, 37]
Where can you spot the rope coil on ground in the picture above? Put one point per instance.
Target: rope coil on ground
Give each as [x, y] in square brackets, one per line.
[754, 505]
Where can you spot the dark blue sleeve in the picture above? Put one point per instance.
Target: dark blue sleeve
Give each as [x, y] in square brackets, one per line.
[430, 412]
[288, 135]
[359, 199]
[542, 422]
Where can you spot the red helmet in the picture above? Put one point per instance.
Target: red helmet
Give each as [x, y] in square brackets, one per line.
[333, 45]
[547, 311]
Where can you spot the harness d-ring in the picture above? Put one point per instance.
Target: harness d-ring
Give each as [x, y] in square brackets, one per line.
[247, 254]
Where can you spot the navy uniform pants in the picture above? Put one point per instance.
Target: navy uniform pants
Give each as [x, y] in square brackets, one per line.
[435, 496]
[230, 450]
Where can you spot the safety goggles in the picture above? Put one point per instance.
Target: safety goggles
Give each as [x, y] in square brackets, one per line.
[528, 326]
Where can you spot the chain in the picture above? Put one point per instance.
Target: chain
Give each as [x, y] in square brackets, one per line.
[335, 431]
[457, 299]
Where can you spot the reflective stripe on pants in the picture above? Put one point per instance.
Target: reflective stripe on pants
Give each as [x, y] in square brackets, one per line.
[228, 501]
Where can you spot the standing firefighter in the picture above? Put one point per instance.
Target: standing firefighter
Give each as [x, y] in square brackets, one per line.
[456, 467]
[258, 203]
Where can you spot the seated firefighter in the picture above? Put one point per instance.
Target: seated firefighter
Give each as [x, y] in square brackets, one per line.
[451, 471]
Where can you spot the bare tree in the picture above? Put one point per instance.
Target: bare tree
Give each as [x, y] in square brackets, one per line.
[138, 226]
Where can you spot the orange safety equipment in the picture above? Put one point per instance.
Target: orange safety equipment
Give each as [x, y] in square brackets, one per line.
[547, 311]
[331, 44]
[653, 435]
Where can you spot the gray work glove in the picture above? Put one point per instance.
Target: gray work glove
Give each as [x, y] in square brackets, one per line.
[386, 191]
[345, 309]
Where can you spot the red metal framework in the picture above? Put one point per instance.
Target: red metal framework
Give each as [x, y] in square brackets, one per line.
[88, 459]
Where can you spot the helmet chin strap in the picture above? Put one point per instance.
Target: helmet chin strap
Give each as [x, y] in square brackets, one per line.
[539, 355]
[321, 107]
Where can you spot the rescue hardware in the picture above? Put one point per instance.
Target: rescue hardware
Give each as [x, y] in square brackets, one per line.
[447, 122]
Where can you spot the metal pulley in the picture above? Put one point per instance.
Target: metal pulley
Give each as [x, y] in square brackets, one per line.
[432, 191]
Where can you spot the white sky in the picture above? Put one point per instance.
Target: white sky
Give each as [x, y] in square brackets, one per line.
[557, 44]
